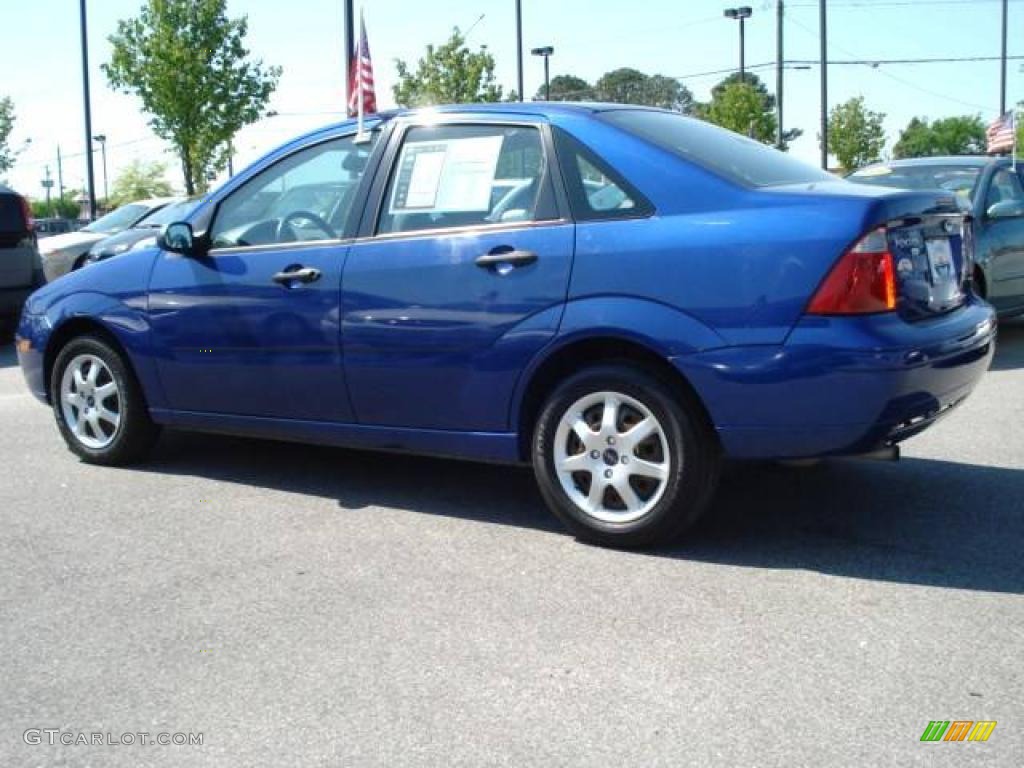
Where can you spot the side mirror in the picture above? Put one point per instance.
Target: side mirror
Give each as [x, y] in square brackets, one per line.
[178, 238]
[1006, 209]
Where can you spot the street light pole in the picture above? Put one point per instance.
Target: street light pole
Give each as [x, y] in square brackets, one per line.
[90, 178]
[740, 14]
[824, 84]
[519, 48]
[546, 52]
[779, 61]
[101, 139]
[1002, 70]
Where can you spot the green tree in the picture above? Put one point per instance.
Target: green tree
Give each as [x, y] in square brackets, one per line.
[750, 114]
[631, 86]
[568, 88]
[63, 207]
[138, 181]
[740, 108]
[6, 126]
[856, 135]
[622, 86]
[450, 74]
[958, 135]
[187, 62]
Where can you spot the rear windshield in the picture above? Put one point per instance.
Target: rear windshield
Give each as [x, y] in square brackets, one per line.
[960, 179]
[163, 216]
[12, 218]
[728, 154]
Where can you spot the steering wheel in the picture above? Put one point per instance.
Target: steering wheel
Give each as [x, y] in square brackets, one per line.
[285, 233]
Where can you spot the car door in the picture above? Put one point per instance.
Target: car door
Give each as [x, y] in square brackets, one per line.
[251, 328]
[1001, 241]
[459, 276]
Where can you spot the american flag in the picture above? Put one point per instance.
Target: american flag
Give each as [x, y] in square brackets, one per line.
[360, 83]
[1001, 133]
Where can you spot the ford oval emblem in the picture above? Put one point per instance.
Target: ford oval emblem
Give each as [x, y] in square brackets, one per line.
[949, 226]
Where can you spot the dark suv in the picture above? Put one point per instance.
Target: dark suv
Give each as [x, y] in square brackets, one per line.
[21, 270]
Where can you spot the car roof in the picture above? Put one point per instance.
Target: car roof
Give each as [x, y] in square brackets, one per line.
[511, 108]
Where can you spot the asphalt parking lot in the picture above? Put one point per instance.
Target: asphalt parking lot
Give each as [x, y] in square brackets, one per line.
[304, 606]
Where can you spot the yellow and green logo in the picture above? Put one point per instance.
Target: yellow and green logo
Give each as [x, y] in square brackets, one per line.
[958, 730]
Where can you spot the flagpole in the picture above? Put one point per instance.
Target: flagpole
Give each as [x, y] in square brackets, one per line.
[361, 136]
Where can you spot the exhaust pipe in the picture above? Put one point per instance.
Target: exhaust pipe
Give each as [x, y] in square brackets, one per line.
[886, 453]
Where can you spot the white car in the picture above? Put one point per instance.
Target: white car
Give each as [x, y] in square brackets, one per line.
[63, 253]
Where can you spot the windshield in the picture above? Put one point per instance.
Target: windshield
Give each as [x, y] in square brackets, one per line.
[161, 217]
[118, 220]
[728, 154]
[959, 179]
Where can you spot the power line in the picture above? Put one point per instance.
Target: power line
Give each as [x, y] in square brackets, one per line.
[873, 65]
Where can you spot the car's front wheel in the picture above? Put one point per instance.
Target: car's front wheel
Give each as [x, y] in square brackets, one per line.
[622, 459]
[98, 404]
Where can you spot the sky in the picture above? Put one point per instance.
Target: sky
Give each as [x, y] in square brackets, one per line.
[685, 38]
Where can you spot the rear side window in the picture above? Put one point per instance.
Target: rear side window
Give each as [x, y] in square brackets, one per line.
[596, 190]
[737, 158]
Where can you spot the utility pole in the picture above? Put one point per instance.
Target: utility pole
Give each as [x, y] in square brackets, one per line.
[90, 180]
[47, 185]
[60, 175]
[1002, 67]
[350, 46]
[779, 60]
[824, 84]
[519, 48]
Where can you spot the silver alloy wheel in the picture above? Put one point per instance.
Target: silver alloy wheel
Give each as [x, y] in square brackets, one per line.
[611, 457]
[90, 401]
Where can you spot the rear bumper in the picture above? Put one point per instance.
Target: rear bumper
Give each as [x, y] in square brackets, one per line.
[842, 385]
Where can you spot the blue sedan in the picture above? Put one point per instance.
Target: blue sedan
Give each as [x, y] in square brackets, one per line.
[621, 296]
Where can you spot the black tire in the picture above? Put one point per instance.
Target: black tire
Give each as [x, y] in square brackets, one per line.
[693, 459]
[135, 433]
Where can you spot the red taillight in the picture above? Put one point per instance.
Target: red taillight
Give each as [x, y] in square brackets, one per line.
[26, 214]
[862, 281]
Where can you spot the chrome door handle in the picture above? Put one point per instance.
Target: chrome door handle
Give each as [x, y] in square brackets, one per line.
[499, 256]
[300, 275]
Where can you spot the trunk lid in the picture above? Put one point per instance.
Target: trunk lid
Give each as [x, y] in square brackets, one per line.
[929, 234]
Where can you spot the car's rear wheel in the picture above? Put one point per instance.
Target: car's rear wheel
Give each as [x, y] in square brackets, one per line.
[622, 459]
[98, 404]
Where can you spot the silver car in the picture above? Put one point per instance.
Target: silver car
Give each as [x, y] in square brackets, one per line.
[63, 253]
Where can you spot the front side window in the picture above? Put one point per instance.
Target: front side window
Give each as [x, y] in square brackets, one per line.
[1005, 185]
[305, 197]
[450, 176]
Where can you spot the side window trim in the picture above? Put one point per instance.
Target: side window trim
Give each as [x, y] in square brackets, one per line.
[569, 147]
[208, 216]
[376, 197]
